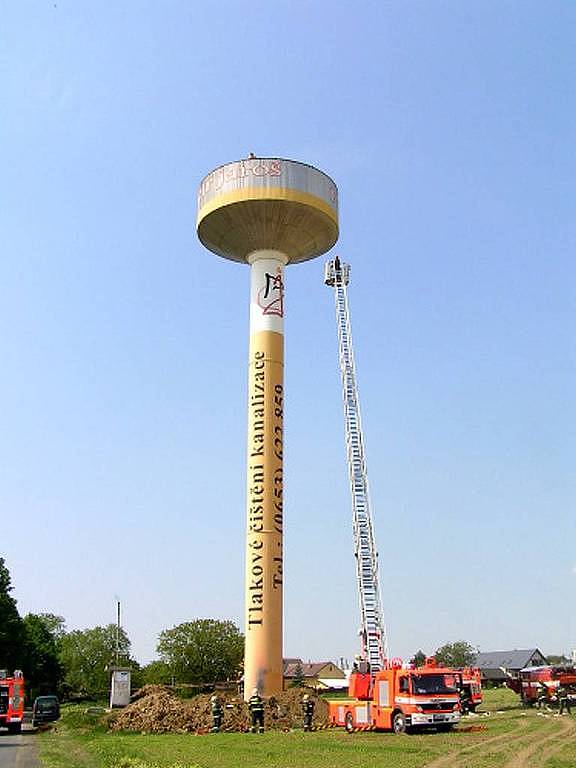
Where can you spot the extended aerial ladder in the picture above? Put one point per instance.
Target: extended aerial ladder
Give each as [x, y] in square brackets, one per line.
[372, 629]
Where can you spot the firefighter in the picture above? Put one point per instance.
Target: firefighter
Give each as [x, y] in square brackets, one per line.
[464, 698]
[256, 707]
[542, 700]
[563, 700]
[308, 705]
[217, 713]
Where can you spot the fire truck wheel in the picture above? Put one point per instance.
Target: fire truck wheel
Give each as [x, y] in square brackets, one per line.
[399, 723]
[14, 727]
[349, 722]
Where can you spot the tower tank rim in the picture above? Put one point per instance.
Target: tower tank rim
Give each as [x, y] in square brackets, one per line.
[268, 157]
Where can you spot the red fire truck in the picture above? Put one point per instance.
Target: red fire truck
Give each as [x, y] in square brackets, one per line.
[11, 700]
[530, 680]
[471, 686]
[399, 699]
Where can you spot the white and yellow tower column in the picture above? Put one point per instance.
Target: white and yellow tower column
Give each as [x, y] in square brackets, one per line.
[263, 656]
[266, 212]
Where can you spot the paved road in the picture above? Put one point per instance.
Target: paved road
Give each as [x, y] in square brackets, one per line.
[18, 751]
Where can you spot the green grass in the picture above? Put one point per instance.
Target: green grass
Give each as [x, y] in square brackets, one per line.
[80, 740]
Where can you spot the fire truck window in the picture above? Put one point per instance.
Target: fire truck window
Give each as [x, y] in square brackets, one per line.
[404, 688]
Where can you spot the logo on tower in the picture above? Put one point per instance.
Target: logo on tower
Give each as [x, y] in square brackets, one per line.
[271, 295]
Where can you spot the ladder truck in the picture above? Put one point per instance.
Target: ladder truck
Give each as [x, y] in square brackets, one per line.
[374, 641]
[383, 694]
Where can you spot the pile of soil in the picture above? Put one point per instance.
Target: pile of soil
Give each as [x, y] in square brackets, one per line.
[155, 709]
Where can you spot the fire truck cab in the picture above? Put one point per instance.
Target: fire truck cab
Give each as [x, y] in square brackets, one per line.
[399, 699]
[11, 700]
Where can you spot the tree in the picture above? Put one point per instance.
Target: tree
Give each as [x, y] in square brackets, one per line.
[85, 656]
[202, 651]
[298, 679]
[56, 625]
[457, 654]
[157, 672]
[11, 626]
[418, 659]
[42, 671]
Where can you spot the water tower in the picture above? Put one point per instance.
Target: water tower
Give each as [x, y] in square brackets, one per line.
[266, 212]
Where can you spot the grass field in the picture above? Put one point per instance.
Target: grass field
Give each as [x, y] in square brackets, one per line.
[503, 735]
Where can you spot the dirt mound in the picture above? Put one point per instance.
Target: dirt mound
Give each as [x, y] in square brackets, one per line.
[156, 709]
[148, 690]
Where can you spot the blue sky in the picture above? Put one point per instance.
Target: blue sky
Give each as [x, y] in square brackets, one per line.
[449, 129]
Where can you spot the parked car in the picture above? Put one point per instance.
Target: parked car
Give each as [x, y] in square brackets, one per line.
[46, 709]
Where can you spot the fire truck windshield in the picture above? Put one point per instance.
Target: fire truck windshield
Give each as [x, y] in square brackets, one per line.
[431, 684]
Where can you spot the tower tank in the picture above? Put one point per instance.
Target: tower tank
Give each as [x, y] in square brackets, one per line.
[267, 212]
